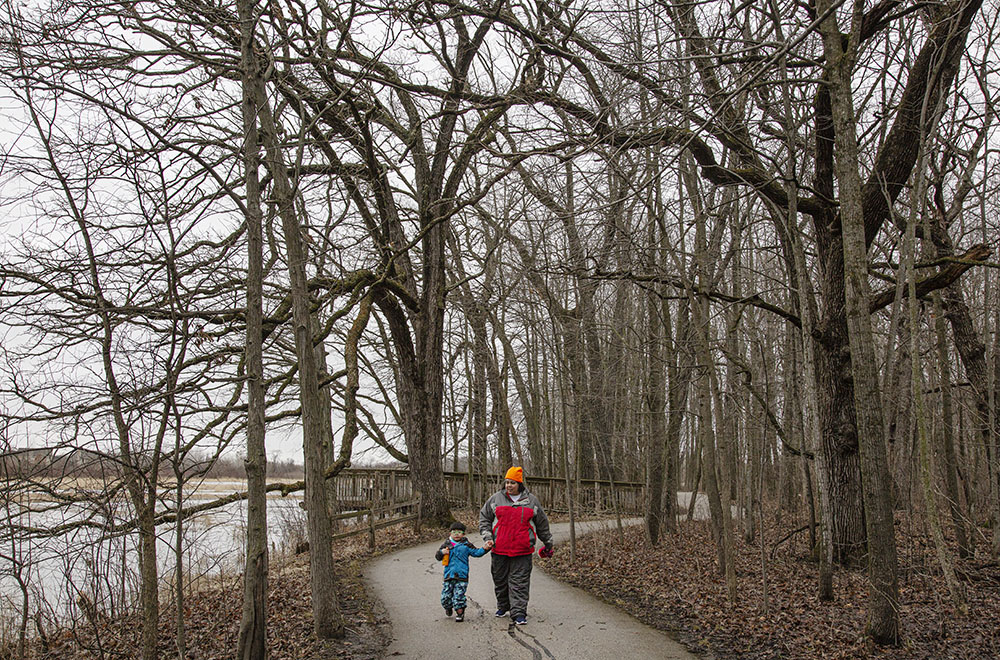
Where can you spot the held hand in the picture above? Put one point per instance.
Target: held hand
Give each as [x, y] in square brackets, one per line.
[488, 545]
[445, 551]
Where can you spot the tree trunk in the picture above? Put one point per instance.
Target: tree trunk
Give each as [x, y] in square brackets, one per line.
[916, 381]
[500, 412]
[724, 475]
[993, 468]
[327, 619]
[253, 621]
[883, 595]
[149, 594]
[838, 433]
[527, 397]
[420, 388]
[656, 436]
[477, 409]
[680, 371]
[950, 466]
[972, 350]
[927, 467]
[707, 392]
[140, 486]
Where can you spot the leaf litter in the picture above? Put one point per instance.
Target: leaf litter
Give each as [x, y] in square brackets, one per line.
[676, 587]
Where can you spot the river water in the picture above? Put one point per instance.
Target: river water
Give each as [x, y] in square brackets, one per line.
[62, 573]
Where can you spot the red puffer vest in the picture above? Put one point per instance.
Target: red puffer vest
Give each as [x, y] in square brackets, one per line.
[514, 526]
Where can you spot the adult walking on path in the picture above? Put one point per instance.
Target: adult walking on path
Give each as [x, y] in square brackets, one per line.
[513, 519]
[566, 623]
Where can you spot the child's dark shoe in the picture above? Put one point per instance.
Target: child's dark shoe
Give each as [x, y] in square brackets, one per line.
[447, 611]
[460, 615]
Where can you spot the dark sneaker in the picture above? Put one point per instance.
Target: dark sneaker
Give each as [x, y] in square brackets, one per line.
[460, 615]
[520, 619]
[501, 611]
[447, 611]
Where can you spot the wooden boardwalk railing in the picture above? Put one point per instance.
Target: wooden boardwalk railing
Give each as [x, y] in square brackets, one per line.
[364, 488]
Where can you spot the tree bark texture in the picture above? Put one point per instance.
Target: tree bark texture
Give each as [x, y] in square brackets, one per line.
[883, 595]
[327, 619]
[948, 453]
[253, 620]
[656, 434]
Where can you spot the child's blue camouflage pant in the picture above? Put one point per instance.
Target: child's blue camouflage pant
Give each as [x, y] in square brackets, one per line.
[453, 594]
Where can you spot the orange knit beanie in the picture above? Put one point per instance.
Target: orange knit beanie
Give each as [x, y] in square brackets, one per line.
[515, 474]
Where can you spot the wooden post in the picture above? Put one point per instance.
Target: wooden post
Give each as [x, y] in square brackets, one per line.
[371, 527]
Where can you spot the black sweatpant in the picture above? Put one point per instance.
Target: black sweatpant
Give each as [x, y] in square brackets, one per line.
[512, 581]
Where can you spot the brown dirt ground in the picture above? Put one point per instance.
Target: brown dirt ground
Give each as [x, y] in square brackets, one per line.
[212, 613]
[676, 588]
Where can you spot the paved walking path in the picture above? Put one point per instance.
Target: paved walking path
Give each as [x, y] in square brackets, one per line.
[564, 623]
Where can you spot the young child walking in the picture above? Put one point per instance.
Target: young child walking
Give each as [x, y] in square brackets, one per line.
[454, 554]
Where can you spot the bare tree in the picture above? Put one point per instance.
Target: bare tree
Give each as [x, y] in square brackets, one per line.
[253, 622]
